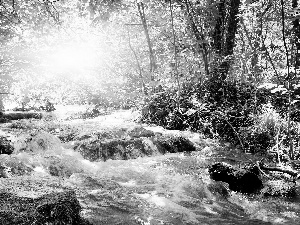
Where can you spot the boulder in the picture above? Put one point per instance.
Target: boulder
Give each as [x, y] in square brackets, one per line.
[40, 141]
[242, 179]
[54, 208]
[6, 146]
[279, 188]
[11, 166]
[22, 115]
[95, 149]
[139, 131]
[219, 189]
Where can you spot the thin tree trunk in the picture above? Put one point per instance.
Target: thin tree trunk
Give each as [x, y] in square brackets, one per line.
[175, 57]
[144, 88]
[199, 38]
[296, 31]
[153, 65]
[291, 153]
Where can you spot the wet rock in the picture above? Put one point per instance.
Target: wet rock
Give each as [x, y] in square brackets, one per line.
[123, 149]
[174, 144]
[59, 171]
[242, 179]
[219, 189]
[11, 166]
[22, 115]
[111, 149]
[63, 167]
[54, 208]
[6, 146]
[279, 188]
[140, 131]
[41, 141]
[80, 179]
[5, 172]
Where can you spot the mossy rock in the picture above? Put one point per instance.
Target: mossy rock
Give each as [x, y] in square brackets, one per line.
[139, 131]
[242, 179]
[22, 115]
[279, 188]
[219, 189]
[123, 149]
[6, 146]
[54, 208]
[11, 166]
[40, 141]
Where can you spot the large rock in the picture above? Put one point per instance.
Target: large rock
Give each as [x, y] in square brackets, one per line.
[40, 141]
[54, 208]
[242, 179]
[6, 146]
[140, 131]
[22, 115]
[95, 149]
[278, 188]
[12, 166]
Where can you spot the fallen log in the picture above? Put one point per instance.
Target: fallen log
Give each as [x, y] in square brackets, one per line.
[21, 115]
[295, 174]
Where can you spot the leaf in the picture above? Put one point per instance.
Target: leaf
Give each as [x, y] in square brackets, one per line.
[278, 89]
[190, 112]
[267, 85]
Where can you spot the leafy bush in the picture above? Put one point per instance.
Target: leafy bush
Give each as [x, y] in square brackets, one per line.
[223, 113]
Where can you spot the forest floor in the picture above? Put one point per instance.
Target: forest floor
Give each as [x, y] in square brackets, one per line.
[124, 172]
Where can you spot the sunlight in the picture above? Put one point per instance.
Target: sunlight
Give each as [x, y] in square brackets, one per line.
[75, 57]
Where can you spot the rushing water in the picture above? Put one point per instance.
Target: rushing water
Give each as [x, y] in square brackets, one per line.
[171, 189]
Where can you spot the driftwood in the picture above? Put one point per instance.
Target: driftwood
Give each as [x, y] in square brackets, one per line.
[295, 174]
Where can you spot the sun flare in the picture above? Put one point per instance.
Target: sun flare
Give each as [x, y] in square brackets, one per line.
[74, 57]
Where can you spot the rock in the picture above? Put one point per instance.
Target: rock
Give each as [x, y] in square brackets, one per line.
[174, 144]
[90, 183]
[64, 167]
[278, 188]
[140, 131]
[12, 166]
[54, 208]
[95, 149]
[6, 146]
[245, 179]
[5, 172]
[22, 115]
[219, 189]
[41, 141]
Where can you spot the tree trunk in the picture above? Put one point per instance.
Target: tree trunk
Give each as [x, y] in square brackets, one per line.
[224, 37]
[224, 42]
[153, 65]
[296, 31]
[199, 37]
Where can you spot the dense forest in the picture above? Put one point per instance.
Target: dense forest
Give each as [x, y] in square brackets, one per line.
[226, 70]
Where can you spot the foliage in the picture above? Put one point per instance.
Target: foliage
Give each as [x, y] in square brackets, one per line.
[223, 114]
[213, 62]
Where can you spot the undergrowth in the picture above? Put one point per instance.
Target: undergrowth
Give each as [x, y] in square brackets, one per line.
[237, 113]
